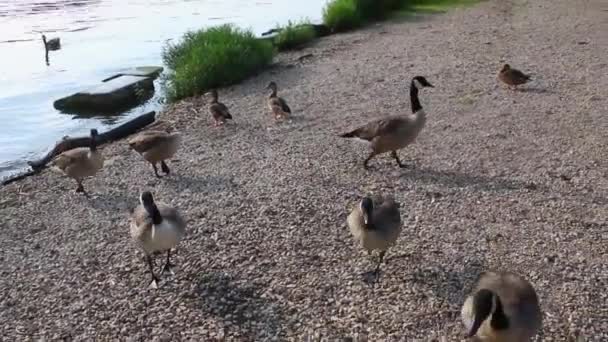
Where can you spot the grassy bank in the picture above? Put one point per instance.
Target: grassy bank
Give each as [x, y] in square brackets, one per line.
[213, 57]
[294, 35]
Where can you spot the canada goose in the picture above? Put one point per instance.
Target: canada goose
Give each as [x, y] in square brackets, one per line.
[156, 228]
[81, 162]
[396, 131]
[376, 225]
[52, 44]
[277, 105]
[156, 146]
[503, 307]
[512, 77]
[218, 110]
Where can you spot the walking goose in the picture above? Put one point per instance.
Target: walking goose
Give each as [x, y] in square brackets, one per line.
[375, 223]
[396, 131]
[156, 146]
[278, 106]
[81, 162]
[503, 307]
[512, 77]
[218, 110]
[156, 228]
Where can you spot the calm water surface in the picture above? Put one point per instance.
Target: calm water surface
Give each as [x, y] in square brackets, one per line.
[98, 39]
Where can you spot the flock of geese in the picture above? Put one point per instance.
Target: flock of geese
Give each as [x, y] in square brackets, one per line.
[503, 306]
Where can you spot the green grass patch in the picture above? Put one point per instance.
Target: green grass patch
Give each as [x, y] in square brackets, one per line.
[436, 5]
[342, 15]
[294, 35]
[211, 58]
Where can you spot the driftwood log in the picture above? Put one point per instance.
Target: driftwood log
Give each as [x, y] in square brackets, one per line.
[66, 144]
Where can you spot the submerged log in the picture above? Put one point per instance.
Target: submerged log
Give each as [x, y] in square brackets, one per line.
[321, 30]
[116, 133]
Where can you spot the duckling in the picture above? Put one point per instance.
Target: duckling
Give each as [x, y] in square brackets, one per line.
[156, 146]
[156, 228]
[396, 131]
[278, 106]
[512, 77]
[218, 110]
[81, 162]
[376, 225]
[503, 307]
[52, 44]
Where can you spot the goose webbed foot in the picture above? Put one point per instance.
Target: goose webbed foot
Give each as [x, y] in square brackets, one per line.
[366, 161]
[168, 268]
[165, 167]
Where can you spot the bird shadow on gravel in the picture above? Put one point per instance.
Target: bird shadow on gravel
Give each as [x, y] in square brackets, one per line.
[447, 283]
[239, 305]
[459, 180]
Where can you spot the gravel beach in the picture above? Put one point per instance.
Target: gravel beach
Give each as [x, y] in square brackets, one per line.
[503, 180]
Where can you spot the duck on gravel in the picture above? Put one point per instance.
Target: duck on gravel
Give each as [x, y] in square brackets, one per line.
[512, 77]
[156, 228]
[278, 106]
[81, 162]
[503, 307]
[156, 146]
[218, 110]
[375, 223]
[394, 132]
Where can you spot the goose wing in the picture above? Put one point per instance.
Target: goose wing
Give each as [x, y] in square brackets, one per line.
[144, 141]
[386, 126]
[284, 105]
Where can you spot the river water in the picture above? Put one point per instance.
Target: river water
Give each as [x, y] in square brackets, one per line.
[98, 39]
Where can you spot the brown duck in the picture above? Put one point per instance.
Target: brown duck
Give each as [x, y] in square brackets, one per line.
[512, 77]
[277, 105]
[218, 110]
[396, 131]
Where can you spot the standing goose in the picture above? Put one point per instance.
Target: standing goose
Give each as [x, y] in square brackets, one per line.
[503, 307]
[52, 44]
[396, 131]
[81, 162]
[156, 228]
[156, 146]
[512, 77]
[375, 224]
[277, 105]
[218, 110]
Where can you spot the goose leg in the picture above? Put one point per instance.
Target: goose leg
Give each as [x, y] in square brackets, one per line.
[168, 265]
[156, 171]
[154, 282]
[396, 157]
[371, 155]
[164, 167]
[380, 259]
[80, 188]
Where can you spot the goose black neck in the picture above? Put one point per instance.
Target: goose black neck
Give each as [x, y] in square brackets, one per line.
[93, 145]
[153, 211]
[416, 106]
[499, 319]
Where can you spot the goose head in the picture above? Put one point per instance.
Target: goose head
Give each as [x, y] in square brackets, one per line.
[486, 304]
[147, 202]
[93, 144]
[367, 208]
[44, 39]
[505, 68]
[420, 82]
